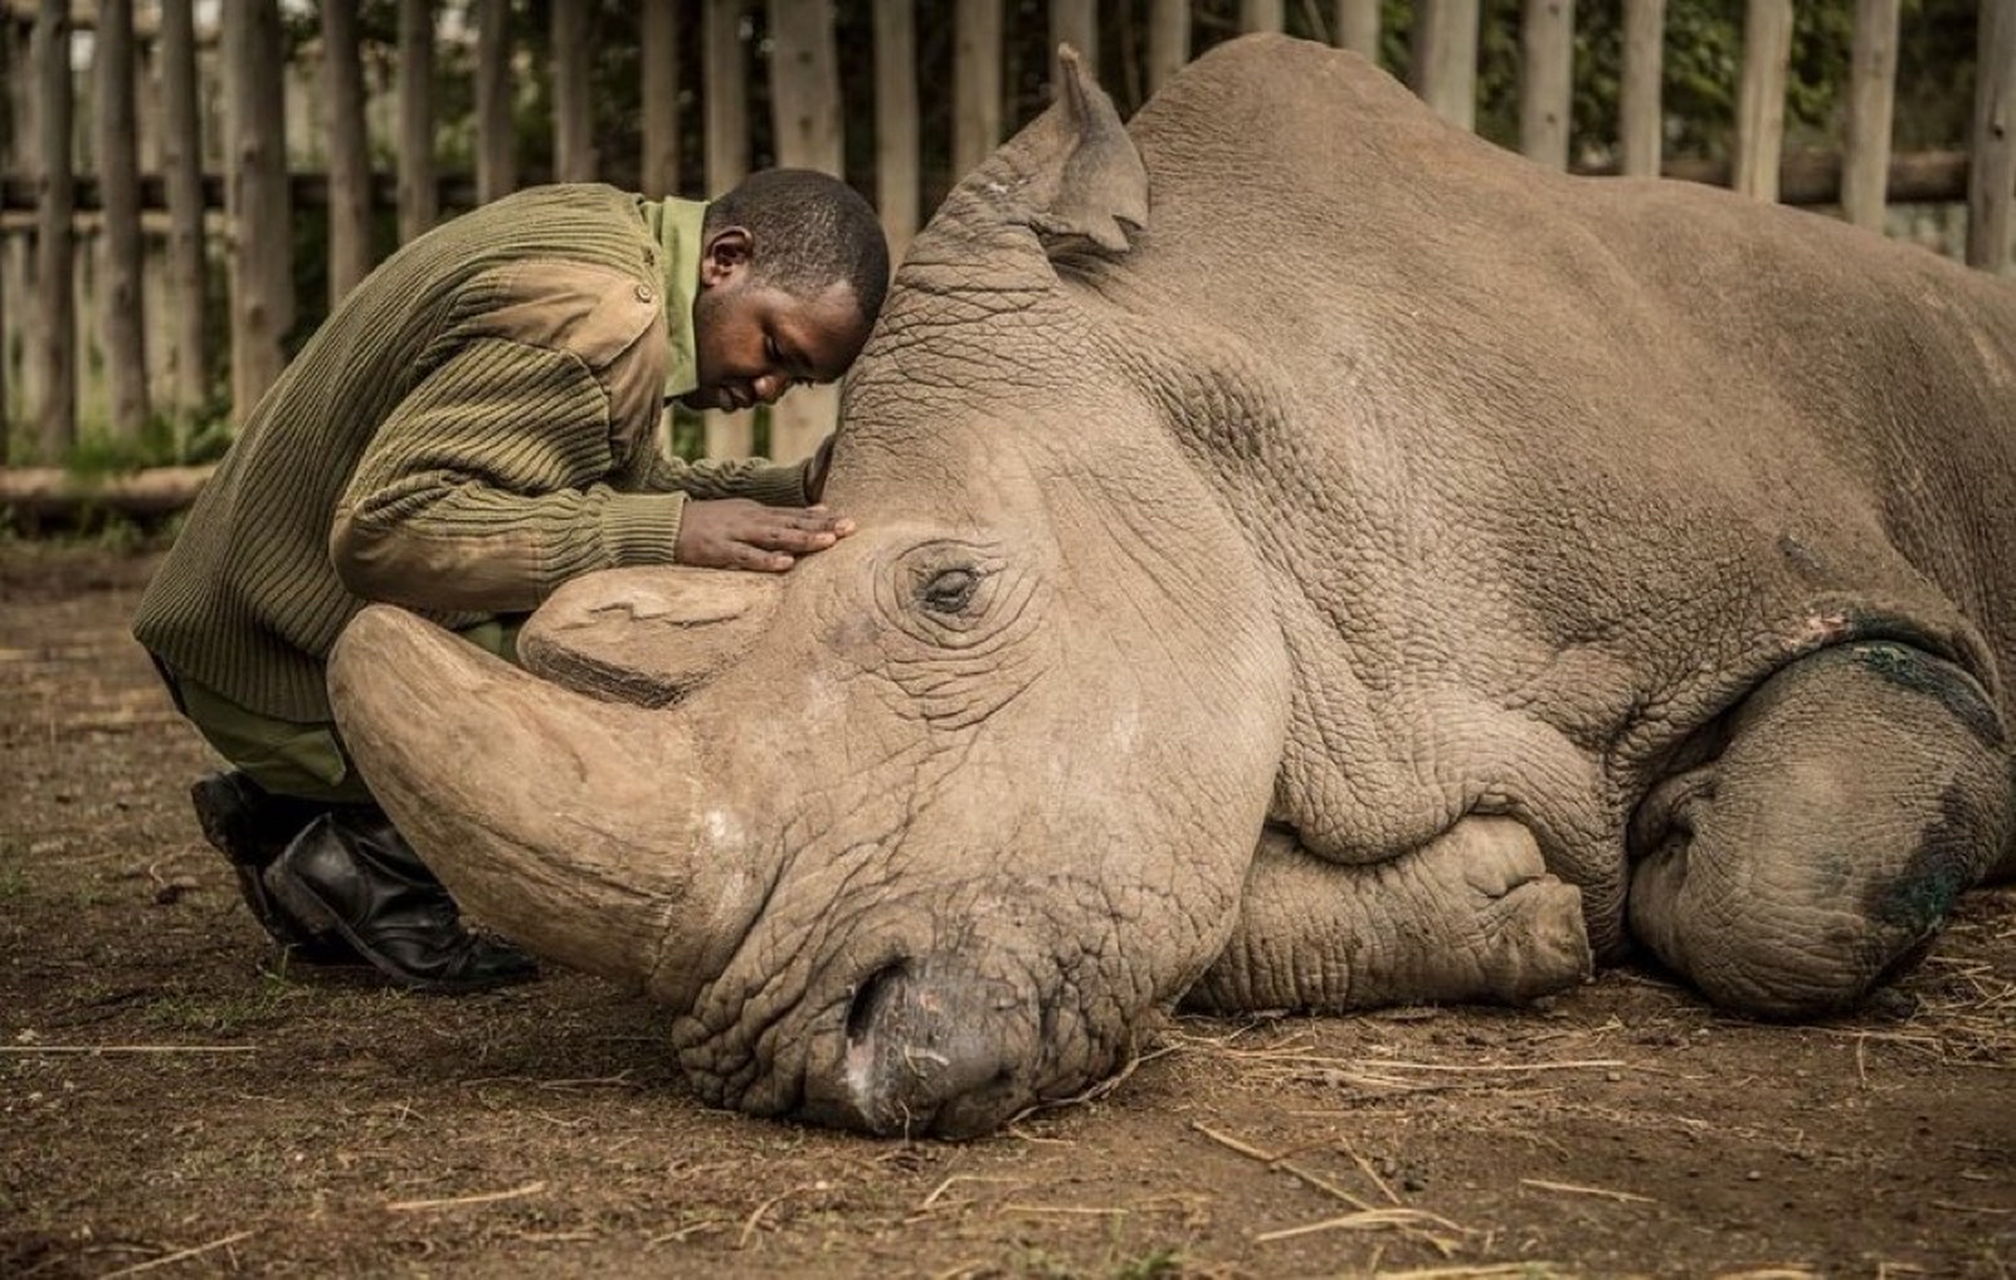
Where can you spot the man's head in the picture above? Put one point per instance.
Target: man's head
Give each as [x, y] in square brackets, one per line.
[792, 272]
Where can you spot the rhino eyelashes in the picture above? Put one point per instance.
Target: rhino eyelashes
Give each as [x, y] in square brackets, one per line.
[949, 591]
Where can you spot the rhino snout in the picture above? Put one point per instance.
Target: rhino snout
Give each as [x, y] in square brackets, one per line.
[930, 1047]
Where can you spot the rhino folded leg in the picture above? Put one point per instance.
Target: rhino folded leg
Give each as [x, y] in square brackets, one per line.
[1859, 791]
[1472, 915]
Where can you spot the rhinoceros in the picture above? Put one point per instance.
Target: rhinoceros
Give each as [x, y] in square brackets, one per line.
[1307, 558]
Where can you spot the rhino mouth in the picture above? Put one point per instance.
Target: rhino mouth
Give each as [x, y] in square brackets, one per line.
[949, 1038]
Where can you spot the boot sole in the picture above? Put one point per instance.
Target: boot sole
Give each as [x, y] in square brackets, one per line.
[301, 900]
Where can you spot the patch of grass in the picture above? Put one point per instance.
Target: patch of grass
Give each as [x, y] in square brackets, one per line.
[221, 1014]
[87, 895]
[1042, 1265]
[13, 875]
[1157, 1264]
[1160, 1263]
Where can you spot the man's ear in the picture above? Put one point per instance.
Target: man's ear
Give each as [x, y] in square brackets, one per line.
[725, 254]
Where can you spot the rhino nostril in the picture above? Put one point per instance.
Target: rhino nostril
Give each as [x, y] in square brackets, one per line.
[870, 997]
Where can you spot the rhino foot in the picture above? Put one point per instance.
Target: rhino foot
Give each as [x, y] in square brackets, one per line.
[1860, 792]
[1472, 915]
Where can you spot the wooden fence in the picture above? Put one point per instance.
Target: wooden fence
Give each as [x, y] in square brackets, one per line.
[117, 202]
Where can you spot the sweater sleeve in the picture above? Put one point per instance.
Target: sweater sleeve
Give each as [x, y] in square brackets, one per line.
[488, 487]
[769, 483]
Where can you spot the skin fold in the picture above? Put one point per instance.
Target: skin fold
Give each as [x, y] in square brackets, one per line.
[1306, 558]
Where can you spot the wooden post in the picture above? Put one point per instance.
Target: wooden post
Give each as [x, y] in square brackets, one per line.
[7, 65]
[1260, 15]
[419, 194]
[1168, 40]
[806, 115]
[57, 312]
[13, 70]
[348, 149]
[1641, 132]
[1865, 161]
[1547, 81]
[805, 106]
[728, 435]
[10, 72]
[727, 96]
[660, 56]
[125, 334]
[147, 84]
[1992, 176]
[573, 103]
[976, 84]
[1358, 27]
[496, 127]
[658, 166]
[1760, 103]
[182, 167]
[1076, 23]
[1445, 59]
[262, 282]
[896, 179]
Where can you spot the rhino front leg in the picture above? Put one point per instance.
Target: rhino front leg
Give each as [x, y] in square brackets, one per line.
[1858, 792]
[1472, 915]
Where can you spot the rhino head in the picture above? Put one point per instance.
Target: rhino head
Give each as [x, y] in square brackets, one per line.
[926, 831]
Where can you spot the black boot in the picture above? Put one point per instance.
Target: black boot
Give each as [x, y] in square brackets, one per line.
[250, 825]
[351, 871]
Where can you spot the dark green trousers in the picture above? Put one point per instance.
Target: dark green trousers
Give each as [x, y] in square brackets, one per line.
[288, 757]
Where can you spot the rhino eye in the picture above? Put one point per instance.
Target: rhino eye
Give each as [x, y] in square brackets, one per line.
[948, 591]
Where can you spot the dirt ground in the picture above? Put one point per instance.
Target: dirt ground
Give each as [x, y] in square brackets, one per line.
[173, 1105]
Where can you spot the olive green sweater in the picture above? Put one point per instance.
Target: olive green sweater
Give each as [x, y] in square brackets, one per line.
[473, 426]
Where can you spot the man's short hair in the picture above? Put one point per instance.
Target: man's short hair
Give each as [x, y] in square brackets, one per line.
[811, 230]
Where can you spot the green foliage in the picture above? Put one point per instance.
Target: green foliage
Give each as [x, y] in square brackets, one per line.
[1701, 70]
[1701, 74]
[98, 454]
[1702, 67]
[616, 95]
[689, 434]
[1936, 43]
[164, 441]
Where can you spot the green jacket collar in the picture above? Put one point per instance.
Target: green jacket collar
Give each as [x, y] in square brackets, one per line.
[676, 224]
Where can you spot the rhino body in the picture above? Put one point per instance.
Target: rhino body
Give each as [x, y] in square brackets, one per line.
[1309, 558]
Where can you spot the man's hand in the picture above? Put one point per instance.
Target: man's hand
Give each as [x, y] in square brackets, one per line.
[737, 533]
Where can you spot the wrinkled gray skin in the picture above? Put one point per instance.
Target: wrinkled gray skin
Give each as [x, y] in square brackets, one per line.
[1308, 558]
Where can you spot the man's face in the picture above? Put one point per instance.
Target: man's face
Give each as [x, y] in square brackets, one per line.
[754, 341]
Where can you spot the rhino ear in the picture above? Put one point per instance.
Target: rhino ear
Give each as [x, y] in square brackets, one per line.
[1092, 183]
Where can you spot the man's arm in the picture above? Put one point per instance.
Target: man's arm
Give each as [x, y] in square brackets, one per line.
[773, 484]
[487, 488]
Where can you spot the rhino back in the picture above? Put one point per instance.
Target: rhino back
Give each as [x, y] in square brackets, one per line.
[1528, 428]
